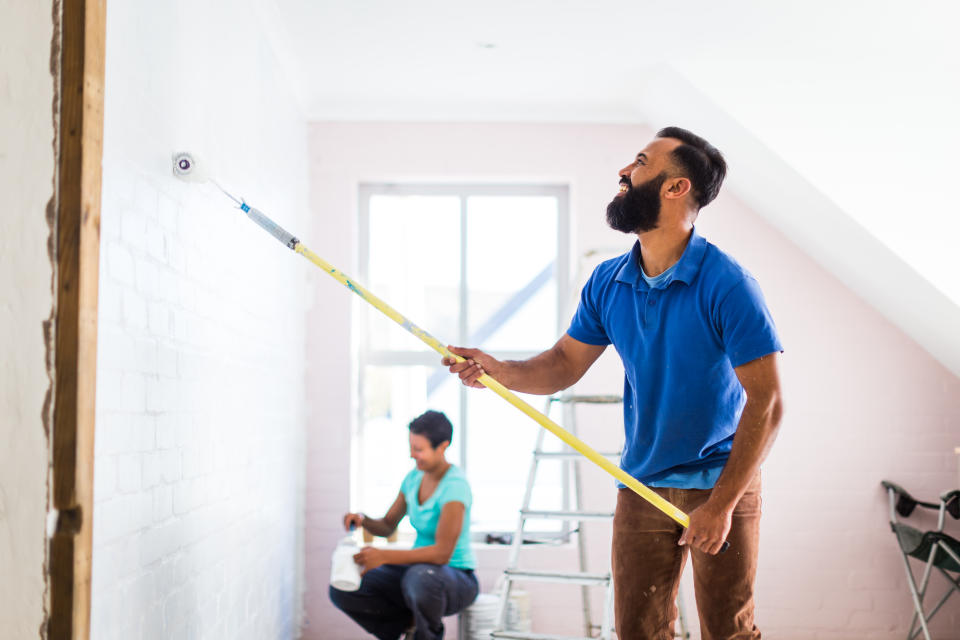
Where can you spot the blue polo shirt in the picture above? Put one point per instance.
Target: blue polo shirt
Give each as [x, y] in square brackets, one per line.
[679, 343]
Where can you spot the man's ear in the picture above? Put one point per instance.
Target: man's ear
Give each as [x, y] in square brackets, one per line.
[677, 188]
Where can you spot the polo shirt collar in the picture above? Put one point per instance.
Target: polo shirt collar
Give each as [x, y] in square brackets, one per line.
[687, 267]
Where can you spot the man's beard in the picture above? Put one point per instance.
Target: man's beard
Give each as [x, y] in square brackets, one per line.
[638, 209]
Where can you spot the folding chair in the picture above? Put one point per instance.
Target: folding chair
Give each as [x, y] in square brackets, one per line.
[934, 548]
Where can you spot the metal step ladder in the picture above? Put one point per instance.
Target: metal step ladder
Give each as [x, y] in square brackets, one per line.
[569, 514]
[583, 576]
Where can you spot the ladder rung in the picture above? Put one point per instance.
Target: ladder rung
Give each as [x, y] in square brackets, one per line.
[526, 635]
[588, 399]
[565, 515]
[558, 576]
[568, 455]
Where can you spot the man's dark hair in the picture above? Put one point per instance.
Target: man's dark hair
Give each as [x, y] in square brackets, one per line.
[699, 161]
[434, 426]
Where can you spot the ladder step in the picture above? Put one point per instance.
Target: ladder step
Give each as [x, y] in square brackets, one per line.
[587, 399]
[529, 514]
[558, 576]
[567, 455]
[526, 635]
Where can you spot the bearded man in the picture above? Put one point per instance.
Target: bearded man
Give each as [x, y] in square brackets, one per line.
[701, 395]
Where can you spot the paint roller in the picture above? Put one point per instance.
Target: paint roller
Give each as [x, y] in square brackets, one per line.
[186, 167]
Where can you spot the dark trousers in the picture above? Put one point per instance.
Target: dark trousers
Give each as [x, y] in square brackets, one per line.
[647, 564]
[393, 596]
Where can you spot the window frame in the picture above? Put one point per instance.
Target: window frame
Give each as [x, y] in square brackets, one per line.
[365, 356]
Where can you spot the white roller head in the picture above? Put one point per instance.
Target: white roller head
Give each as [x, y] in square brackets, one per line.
[186, 167]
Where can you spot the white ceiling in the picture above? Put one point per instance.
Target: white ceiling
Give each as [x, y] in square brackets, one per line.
[857, 97]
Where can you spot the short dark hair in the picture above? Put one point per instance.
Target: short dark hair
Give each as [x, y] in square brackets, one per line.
[433, 425]
[699, 161]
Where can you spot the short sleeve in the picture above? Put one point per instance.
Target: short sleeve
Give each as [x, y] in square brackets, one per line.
[587, 323]
[745, 324]
[457, 491]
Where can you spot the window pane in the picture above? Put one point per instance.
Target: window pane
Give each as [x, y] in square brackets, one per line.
[511, 253]
[414, 266]
[392, 397]
[500, 443]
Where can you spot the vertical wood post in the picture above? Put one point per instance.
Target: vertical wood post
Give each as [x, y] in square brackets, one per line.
[78, 255]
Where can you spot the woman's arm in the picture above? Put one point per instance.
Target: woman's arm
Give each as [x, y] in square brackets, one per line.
[379, 526]
[449, 526]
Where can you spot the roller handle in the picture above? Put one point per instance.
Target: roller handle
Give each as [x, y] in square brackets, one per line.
[285, 237]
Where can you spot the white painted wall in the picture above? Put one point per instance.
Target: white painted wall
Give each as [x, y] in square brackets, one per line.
[27, 167]
[864, 401]
[199, 474]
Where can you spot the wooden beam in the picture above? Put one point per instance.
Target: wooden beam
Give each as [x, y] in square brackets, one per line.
[83, 29]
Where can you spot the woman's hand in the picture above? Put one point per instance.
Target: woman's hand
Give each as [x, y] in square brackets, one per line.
[353, 521]
[369, 558]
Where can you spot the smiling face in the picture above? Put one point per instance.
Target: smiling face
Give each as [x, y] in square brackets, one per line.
[426, 456]
[653, 160]
[636, 207]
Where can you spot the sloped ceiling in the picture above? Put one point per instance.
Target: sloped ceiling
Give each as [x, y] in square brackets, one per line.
[839, 116]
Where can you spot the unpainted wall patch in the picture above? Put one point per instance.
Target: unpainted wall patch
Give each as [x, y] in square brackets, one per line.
[49, 325]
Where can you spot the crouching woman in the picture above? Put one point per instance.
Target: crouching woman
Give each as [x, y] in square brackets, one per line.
[419, 586]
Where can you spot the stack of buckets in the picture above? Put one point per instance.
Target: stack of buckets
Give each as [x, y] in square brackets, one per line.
[480, 618]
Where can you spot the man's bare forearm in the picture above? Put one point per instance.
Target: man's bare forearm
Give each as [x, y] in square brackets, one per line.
[542, 374]
[555, 369]
[755, 435]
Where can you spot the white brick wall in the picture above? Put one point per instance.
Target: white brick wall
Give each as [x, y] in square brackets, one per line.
[199, 456]
[199, 471]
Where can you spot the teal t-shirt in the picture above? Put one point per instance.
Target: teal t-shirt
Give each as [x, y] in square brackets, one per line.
[453, 487]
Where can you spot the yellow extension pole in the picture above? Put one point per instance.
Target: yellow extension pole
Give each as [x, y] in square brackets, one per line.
[579, 445]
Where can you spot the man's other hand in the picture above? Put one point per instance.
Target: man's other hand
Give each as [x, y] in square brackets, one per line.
[708, 528]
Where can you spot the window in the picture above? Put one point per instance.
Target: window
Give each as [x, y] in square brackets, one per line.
[483, 266]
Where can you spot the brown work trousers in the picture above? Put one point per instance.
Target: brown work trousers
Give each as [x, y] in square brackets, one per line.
[647, 563]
